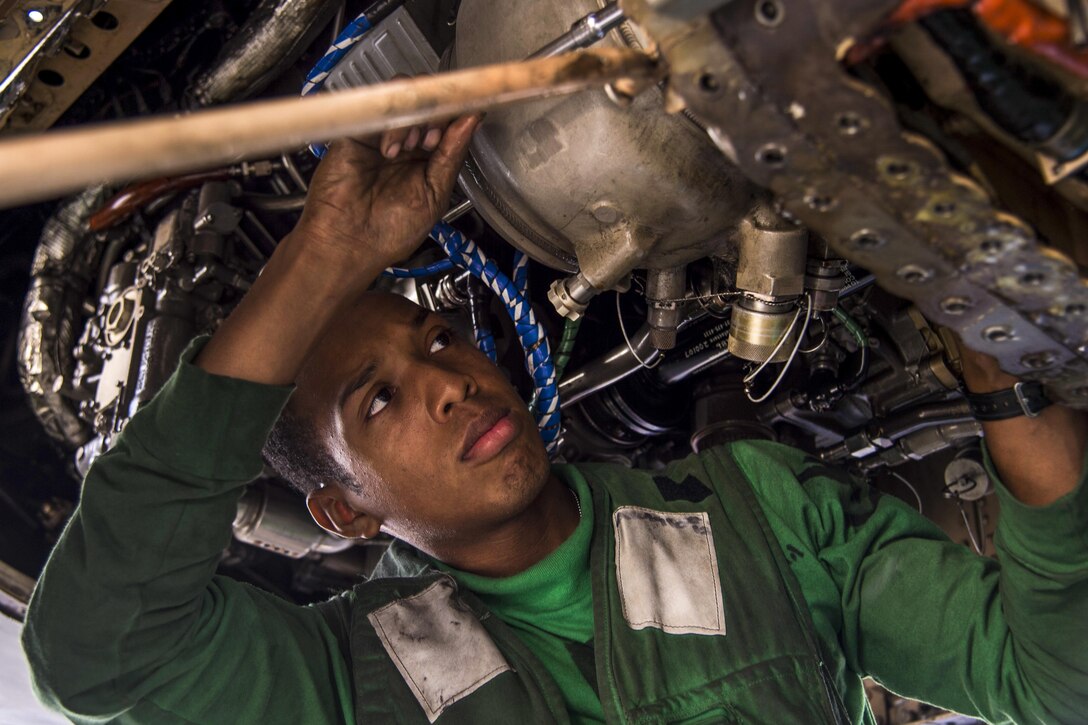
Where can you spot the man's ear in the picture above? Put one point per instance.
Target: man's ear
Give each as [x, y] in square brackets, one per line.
[332, 509]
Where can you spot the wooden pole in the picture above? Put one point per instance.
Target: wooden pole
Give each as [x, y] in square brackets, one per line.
[34, 168]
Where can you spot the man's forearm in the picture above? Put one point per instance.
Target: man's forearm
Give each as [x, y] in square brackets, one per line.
[1038, 459]
[269, 335]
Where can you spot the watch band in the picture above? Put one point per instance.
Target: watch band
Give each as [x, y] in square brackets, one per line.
[1021, 399]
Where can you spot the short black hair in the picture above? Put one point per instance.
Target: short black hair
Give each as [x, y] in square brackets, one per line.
[294, 451]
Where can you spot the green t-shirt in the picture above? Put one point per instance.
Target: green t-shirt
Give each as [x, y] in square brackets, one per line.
[550, 607]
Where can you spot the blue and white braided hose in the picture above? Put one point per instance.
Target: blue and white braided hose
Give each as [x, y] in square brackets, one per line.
[530, 332]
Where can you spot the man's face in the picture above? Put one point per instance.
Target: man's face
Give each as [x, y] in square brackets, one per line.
[440, 442]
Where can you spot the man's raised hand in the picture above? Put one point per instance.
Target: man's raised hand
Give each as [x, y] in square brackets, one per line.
[375, 200]
[365, 211]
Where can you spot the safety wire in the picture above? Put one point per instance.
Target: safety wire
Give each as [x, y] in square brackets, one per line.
[630, 347]
[862, 341]
[909, 485]
[948, 492]
[967, 525]
[807, 311]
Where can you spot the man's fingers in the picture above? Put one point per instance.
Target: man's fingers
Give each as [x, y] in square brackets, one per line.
[431, 138]
[449, 156]
[392, 142]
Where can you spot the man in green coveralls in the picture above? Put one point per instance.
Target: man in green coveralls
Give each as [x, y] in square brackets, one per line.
[746, 584]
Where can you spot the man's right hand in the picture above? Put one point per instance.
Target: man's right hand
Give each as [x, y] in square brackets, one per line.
[377, 199]
[371, 203]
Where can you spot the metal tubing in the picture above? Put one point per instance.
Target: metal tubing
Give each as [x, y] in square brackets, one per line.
[270, 41]
[673, 372]
[612, 367]
[923, 443]
[48, 165]
[920, 418]
[585, 32]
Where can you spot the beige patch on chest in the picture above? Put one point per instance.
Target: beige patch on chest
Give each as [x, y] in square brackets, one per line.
[667, 571]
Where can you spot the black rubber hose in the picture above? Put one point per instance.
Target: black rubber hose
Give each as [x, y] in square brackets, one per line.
[1020, 100]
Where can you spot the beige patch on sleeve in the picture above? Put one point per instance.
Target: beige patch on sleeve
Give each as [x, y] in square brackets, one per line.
[440, 648]
[667, 571]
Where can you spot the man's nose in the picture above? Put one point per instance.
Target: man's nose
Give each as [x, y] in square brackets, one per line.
[446, 389]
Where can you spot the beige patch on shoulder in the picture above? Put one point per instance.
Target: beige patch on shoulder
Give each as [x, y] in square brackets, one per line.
[440, 648]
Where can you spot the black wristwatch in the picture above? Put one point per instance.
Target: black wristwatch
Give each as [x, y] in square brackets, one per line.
[1021, 399]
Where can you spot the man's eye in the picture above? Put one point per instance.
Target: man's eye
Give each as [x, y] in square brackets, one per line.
[382, 398]
[441, 341]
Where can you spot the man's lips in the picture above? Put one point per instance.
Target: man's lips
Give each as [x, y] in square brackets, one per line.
[488, 434]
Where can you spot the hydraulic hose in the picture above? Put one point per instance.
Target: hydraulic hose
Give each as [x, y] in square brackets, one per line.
[566, 345]
[530, 332]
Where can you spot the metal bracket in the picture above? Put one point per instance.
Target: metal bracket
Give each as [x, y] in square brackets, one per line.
[776, 101]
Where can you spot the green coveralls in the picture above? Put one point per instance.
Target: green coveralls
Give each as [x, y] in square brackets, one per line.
[749, 584]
